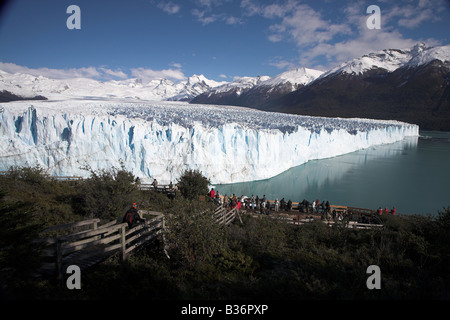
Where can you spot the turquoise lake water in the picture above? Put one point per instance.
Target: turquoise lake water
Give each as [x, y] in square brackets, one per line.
[413, 175]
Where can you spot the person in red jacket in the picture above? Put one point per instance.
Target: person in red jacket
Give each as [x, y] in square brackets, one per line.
[132, 217]
[212, 194]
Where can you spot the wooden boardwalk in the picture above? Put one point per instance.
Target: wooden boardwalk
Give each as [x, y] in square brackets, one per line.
[86, 243]
[66, 245]
[351, 217]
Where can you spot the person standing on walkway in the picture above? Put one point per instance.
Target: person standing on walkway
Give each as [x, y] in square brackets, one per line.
[277, 204]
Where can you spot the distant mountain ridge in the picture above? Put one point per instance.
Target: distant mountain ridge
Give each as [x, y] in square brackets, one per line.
[406, 85]
[411, 85]
[253, 92]
[27, 86]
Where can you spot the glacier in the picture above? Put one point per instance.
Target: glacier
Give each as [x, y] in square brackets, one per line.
[161, 139]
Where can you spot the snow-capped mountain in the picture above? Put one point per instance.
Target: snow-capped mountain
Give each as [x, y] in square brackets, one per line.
[295, 78]
[410, 85]
[393, 59]
[194, 86]
[238, 86]
[254, 91]
[230, 92]
[25, 85]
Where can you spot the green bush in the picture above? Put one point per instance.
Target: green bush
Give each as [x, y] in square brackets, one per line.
[193, 184]
[51, 199]
[19, 255]
[194, 238]
[107, 194]
[262, 258]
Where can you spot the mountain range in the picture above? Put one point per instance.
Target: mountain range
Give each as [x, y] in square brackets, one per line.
[26, 86]
[411, 85]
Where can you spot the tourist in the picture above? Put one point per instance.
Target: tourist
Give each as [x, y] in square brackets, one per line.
[132, 217]
[218, 198]
[277, 205]
[289, 205]
[225, 201]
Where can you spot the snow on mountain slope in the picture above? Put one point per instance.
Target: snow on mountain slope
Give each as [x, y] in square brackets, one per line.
[423, 56]
[392, 59]
[197, 84]
[239, 85]
[162, 139]
[162, 89]
[258, 91]
[298, 76]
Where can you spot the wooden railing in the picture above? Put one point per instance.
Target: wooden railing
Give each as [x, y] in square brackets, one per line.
[97, 243]
[160, 188]
[225, 217]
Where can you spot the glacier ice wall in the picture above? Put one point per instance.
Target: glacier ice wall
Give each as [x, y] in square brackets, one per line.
[160, 140]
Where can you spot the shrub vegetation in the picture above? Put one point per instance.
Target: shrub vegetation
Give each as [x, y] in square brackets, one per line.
[260, 258]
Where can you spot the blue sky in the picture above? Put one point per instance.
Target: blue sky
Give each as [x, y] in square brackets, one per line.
[220, 39]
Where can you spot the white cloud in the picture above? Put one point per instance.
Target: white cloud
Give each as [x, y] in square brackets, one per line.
[150, 74]
[344, 35]
[176, 65]
[100, 73]
[281, 63]
[202, 16]
[114, 73]
[169, 7]
[305, 26]
[207, 12]
[87, 72]
[233, 20]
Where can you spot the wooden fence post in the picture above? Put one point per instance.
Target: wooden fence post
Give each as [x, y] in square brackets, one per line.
[123, 242]
[163, 231]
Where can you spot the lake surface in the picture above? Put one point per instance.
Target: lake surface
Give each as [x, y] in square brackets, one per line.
[413, 175]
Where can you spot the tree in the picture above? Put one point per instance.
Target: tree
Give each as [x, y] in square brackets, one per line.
[107, 194]
[19, 254]
[193, 184]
